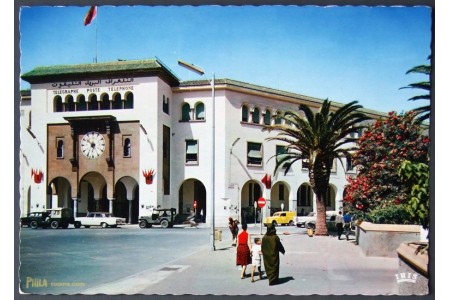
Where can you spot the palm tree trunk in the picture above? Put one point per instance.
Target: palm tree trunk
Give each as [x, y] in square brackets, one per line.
[321, 224]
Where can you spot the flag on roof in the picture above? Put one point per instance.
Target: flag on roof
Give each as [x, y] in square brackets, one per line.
[91, 14]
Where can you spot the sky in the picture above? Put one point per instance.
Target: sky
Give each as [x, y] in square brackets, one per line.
[340, 53]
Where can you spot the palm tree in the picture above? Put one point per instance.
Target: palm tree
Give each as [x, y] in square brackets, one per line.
[317, 138]
[423, 112]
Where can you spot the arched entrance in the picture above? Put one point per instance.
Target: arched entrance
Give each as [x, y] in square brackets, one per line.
[330, 198]
[192, 190]
[304, 199]
[279, 197]
[59, 193]
[251, 192]
[126, 203]
[92, 194]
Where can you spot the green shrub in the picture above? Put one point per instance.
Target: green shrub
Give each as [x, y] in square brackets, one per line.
[392, 214]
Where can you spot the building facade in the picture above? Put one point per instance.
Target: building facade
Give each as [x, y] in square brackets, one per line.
[129, 136]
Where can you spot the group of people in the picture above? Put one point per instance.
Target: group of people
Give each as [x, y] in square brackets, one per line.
[267, 249]
[343, 224]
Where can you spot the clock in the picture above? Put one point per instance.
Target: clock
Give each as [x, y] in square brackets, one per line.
[93, 144]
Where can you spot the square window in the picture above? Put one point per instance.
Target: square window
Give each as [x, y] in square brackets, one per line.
[254, 154]
[191, 152]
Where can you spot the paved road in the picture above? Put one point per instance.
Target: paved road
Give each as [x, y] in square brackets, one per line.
[318, 265]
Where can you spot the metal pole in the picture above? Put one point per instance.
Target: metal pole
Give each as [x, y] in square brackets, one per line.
[254, 204]
[213, 246]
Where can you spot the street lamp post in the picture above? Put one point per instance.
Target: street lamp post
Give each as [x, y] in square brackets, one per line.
[255, 204]
[200, 71]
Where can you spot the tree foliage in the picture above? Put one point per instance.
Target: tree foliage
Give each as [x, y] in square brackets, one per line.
[318, 138]
[416, 177]
[422, 112]
[382, 149]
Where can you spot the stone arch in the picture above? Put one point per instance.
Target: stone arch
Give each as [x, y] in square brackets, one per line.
[126, 199]
[93, 193]
[59, 193]
[305, 198]
[252, 190]
[192, 190]
[279, 196]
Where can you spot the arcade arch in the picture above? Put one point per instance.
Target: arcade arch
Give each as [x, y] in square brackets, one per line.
[192, 190]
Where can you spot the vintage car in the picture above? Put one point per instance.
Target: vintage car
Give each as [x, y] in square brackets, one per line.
[103, 219]
[35, 219]
[59, 217]
[166, 217]
[311, 217]
[281, 218]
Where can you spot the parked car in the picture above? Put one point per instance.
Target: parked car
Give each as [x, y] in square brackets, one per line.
[166, 217]
[312, 216]
[330, 220]
[103, 219]
[281, 218]
[59, 217]
[35, 219]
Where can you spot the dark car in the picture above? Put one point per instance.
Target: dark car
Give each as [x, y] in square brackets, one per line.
[35, 219]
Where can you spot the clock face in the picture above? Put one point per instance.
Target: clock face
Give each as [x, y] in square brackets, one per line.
[93, 144]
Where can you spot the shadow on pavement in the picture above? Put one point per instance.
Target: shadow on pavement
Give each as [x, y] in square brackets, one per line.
[285, 279]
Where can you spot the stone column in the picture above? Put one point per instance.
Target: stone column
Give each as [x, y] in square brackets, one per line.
[130, 205]
[111, 205]
[75, 207]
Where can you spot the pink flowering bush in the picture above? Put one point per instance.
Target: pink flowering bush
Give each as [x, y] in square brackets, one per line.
[382, 149]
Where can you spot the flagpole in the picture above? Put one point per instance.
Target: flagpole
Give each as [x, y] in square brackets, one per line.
[96, 39]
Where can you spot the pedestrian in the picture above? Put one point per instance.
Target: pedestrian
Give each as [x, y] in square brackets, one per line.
[271, 247]
[339, 224]
[347, 220]
[233, 225]
[256, 258]
[243, 257]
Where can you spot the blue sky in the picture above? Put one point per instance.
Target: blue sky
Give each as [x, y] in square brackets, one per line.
[339, 53]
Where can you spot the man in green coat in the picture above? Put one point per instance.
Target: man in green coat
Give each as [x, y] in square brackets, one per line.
[271, 247]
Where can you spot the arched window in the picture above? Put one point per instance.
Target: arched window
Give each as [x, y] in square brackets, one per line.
[127, 147]
[117, 101]
[129, 101]
[186, 112]
[70, 106]
[277, 118]
[57, 104]
[255, 115]
[244, 113]
[93, 105]
[105, 105]
[267, 117]
[165, 104]
[200, 111]
[81, 105]
[60, 148]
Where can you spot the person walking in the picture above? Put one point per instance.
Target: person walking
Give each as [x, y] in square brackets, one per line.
[339, 224]
[347, 220]
[256, 258]
[243, 257]
[233, 225]
[271, 247]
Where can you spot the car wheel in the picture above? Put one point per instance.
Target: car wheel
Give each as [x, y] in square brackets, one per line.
[54, 224]
[142, 224]
[104, 225]
[164, 223]
[77, 224]
[34, 224]
[291, 223]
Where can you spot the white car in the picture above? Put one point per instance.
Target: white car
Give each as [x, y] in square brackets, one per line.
[312, 216]
[103, 219]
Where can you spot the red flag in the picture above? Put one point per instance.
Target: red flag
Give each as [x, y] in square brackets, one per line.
[267, 182]
[91, 14]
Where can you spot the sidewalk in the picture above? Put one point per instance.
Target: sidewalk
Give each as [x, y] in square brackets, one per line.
[311, 265]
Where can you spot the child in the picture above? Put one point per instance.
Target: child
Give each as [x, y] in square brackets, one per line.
[256, 258]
